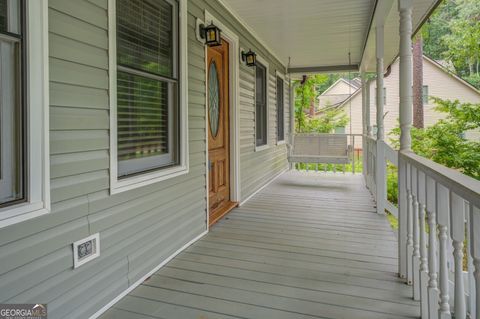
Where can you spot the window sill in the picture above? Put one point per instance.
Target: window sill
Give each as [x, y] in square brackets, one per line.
[261, 148]
[129, 183]
[19, 213]
[281, 142]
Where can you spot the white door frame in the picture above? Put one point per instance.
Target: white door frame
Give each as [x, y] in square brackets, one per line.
[234, 109]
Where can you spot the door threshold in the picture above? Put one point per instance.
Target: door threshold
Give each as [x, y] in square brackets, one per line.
[221, 211]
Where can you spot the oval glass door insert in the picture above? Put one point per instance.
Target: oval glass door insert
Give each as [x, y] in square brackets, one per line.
[213, 98]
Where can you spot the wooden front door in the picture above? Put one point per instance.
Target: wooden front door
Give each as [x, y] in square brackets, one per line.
[218, 131]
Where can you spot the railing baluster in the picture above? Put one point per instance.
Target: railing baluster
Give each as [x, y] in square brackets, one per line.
[402, 218]
[443, 212]
[432, 250]
[416, 236]
[457, 231]
[409, 226]
[475, 251]
[471, 306]
[353, 154]
[423, 247]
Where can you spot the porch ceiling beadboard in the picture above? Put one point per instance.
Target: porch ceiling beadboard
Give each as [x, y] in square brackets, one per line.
[320, 34]
[311, 32]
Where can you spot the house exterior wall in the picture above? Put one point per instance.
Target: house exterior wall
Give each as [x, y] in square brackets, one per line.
[440, 84]
[337, 93]
[139, 228]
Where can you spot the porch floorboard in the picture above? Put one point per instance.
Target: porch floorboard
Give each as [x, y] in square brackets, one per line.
[309, 245]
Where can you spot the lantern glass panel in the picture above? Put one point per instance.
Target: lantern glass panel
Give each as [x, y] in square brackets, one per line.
[211, 35]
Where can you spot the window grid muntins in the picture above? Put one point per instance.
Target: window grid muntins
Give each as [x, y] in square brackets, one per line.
[147, 85]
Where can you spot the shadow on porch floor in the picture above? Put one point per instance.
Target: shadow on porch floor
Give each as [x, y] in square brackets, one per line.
[310, 245]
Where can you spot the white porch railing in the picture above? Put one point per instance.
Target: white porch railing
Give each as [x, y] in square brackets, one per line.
[443, 212]
[441, 208]
[371, 179]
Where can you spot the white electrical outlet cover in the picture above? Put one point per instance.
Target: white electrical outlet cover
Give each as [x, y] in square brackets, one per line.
[86, 249]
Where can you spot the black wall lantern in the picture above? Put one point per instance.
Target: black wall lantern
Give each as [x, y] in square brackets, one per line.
[211, 35]
[250, 58]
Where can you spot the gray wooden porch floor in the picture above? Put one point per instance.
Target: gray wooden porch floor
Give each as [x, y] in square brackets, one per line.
[308, 246]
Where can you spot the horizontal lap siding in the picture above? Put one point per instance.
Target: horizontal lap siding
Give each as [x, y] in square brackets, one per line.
[258, 167]
[139, 228]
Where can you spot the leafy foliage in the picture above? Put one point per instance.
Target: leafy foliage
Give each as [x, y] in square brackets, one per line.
[453, 33]
[306, 93]
[326, 122]
[445, 141]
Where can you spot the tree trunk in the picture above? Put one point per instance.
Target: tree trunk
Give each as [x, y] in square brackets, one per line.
[418, 83]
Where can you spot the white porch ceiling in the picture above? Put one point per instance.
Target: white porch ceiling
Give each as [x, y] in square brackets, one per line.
[321, 33]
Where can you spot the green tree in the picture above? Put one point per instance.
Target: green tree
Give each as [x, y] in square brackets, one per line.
[306, 94]
[325, 122]
[445, 141]
[453, 33]
[436, 28]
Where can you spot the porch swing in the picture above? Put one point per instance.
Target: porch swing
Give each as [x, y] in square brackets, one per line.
[322, 148]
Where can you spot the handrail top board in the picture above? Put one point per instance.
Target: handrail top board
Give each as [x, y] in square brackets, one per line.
[465, 186]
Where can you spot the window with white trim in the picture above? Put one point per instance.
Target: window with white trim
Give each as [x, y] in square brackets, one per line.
[12, 103]
[148, 92]
[24, 165]
[261, 112]
[425, 94]
[280, 110]
[147, 85]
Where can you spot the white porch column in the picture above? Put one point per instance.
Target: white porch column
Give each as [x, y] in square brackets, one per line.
[292, 120]
[406, 99]
[364, 124]
[367, 109]
[380, 168]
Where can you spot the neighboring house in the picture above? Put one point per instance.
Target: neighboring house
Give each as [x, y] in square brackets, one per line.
[336, 94]
[437, 82]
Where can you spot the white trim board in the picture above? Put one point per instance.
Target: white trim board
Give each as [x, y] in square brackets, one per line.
[234, 109]
[147, 178]
[263, 187]
[38, 142]
[141, 280]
